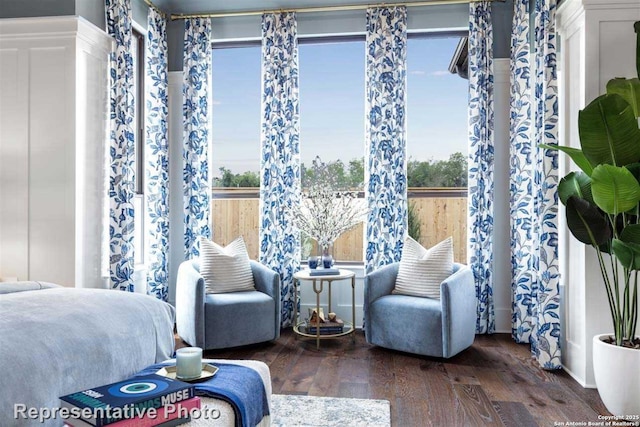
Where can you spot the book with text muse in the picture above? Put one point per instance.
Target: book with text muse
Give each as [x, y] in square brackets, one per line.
[126, 399]
[167, 416]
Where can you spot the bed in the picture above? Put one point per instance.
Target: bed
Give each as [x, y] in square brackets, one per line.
[54, 341]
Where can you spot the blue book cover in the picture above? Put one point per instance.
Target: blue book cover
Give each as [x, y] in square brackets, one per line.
[324, 272]
[109, 403]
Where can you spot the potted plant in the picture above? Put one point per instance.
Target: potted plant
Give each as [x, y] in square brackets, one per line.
[326, 210]
[603, 210]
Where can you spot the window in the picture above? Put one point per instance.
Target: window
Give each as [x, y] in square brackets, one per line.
[437, 103]
[332, 126]
[235, 135]
[236, 117]
[332, 109]
[137, 54]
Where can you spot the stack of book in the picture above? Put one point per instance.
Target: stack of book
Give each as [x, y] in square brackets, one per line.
[327, 326]
[324, 272]
[145, 401]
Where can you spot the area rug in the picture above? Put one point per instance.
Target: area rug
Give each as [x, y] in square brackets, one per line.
[308, 411]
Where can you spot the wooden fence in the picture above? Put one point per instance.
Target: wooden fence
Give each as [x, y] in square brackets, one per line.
[442, 213]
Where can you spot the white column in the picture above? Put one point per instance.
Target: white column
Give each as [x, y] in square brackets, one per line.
[53, 111]
[176, 209]
[501, 233]
[597, 44]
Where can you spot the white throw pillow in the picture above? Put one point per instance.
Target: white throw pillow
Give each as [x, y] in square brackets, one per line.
[225, 269]
[421, 271]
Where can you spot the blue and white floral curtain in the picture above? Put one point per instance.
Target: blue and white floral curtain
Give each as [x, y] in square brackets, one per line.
[196, 93]
[121, 147]
[280, 152]
[385, 135]
[157, 157]
[481, 153]
[534, 180]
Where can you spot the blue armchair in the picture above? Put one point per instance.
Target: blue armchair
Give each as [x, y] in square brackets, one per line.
[425, 326]
[215, 321]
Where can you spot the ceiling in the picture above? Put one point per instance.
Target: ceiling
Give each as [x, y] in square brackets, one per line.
[211, 6]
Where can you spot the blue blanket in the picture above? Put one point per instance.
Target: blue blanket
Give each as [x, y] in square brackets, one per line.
[237, 385]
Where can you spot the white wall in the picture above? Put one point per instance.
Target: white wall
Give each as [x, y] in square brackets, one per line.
[598, 43]
[501, 214]
[53, 80]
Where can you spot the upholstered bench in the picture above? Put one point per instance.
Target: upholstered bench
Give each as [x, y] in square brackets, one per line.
[227, 416]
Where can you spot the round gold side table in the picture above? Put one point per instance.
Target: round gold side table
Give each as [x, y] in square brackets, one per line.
[318, 286]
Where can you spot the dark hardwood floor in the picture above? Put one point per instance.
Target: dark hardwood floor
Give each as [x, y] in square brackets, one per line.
[496, 382]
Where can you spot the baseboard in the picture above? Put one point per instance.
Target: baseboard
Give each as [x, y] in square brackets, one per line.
[578, 379]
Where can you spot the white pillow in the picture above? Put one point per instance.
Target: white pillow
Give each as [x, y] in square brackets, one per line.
[225, 269]
[421, 271]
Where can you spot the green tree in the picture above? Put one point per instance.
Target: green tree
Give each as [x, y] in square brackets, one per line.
[229, 179]
[356, 173]
[413, 222]
[438, 173]
[349, 178]
[431, 173]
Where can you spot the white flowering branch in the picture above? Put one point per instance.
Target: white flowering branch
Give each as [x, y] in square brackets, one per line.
[326, 211]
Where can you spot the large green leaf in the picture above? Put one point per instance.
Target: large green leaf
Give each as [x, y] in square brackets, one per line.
[575, 184]
[636, 28]
[631, 234]
[586, 222]
[634, 168]
[629, 89]
[609, 132]
[575, 154]
[627, 253]
[615, 189]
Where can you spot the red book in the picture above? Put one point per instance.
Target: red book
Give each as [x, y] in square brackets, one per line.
[163, 415]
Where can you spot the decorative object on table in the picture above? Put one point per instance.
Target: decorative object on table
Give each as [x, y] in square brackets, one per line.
[188, 363]
[326, 210]
[603, 209]
[316, 316]
[326, 328]
[327, 259]
[324, 272]
[148, 391]
[207, 371]
[312, 262]
[330, 324]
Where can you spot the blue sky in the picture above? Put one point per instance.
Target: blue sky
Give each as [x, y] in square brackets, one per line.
[332, 103]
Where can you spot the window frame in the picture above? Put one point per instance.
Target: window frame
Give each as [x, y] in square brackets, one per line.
[139, 68]
[139, 91]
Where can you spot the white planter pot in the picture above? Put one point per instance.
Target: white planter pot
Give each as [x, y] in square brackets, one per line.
[617, 374]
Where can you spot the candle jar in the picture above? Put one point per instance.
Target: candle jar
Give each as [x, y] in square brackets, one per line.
[188, 363]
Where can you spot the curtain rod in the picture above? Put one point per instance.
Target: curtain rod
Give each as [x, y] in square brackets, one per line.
[156, 8]
[324, 8]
